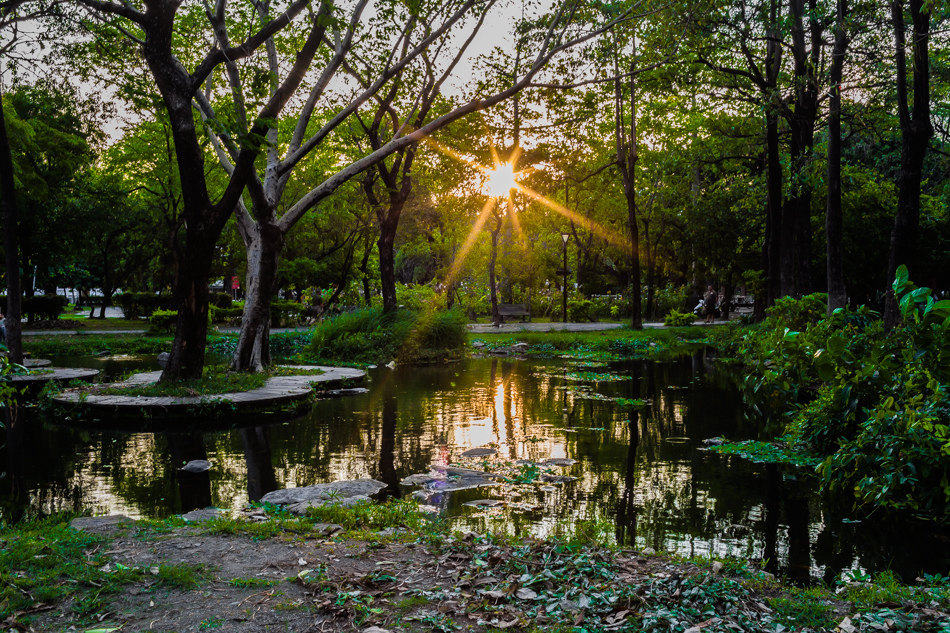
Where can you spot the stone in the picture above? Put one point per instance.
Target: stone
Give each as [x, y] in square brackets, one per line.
[717, 567]
[376, 629]
[163, 359]
[355, 391]
[479, 452]
[345, 502]
[648, 551]
[196, 466]
[99, 524]
[484, 503]
[204, 514]
[557, 479]
[560, 462]
[327, 529]
[336, 490]
[419, 479]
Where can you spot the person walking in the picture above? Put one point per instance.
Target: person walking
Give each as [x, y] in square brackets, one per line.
[709, 304]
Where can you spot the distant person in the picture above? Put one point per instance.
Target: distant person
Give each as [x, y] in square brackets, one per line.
[709, 304]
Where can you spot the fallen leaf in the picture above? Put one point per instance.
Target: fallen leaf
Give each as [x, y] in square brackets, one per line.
[526, 594]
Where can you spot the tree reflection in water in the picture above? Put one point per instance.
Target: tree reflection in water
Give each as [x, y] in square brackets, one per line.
[644, 470]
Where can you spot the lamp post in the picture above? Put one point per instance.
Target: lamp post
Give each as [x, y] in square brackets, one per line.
[564, 238]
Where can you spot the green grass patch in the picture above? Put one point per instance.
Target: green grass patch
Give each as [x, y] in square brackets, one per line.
[216, 380]
[374, 336]
[246, 583]
[89, 344]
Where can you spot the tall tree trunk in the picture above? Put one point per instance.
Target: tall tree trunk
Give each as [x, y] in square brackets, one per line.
[263, 244]
[14, 340]
[773, 220]
[834, 218]
[364, 271]
[187, 356]
[627, 154]
[916, 131]
[493, 294]
[387, 263]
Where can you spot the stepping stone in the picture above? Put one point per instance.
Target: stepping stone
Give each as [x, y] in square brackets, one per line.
[479, 452]
[101, 524]
[560, 462]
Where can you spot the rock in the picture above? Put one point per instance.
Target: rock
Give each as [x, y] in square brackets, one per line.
[419, 479]
[393, 531]
[346, 502]
[355, 391]
[649, 551]
[714, 441]
[717, 567]
[517, 348]
[478, 344]
[479, 452]
[99, 524]
[322, 492]
[163, 359]
[484, 503]
[557, 479]
[560, 462]
[204, 514]
[327, 529]
[376, 629]
[197, 466]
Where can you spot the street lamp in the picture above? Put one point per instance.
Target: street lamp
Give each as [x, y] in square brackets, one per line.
[564, 271]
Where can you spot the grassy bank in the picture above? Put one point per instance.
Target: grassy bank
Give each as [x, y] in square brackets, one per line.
[394, 567]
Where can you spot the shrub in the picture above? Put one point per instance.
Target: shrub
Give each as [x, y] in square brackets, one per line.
[136, 305]
[162, 320]
[373, 336]
[415, 296]
[580, 310]
[43, 307]
[675, 318]
[284, 312]
[221, 299]
[223, 315]
[872, 404]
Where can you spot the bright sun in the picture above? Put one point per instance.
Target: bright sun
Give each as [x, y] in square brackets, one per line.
[500, 180]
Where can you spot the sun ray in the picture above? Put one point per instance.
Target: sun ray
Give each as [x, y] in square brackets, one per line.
[469, 242]
[595, 228]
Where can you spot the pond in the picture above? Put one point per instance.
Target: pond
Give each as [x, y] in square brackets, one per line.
[641, 478]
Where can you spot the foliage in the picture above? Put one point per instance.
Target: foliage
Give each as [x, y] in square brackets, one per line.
[49, 306]
[136, 305]
[872, 404]
[777, 452]
[220, 300]
[675, 318]
[162, 320]
[374, 336]
[91, 344]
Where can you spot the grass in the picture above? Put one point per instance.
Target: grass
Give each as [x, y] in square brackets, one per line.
[216, 380]
[90, 344]
[43, 560]
[374, 336]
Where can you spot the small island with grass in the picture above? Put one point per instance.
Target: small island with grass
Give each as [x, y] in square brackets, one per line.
[220, 392]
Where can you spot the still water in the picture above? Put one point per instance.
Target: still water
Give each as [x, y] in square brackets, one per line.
[644, 476]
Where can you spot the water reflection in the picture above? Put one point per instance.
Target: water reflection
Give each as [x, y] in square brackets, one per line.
[641, 471]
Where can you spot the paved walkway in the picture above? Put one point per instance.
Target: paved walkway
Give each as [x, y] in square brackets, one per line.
[277, 390]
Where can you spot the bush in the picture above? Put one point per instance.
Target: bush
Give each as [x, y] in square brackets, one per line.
[162, 320]
[580, 310]
[415, 296]
[136, 305]
[223, 315]
[872, 404]
[43, 307]
[675, 318]
[284, 312]
[372, 336]
[221, 299]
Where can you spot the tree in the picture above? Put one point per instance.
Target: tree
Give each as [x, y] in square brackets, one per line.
[916, 132]
[154, 29]
[837, 293]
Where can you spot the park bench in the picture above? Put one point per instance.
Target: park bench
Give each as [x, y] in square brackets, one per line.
[514, 310]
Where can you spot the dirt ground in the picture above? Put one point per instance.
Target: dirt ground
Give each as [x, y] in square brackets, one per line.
[309, 581]
[337, 586]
